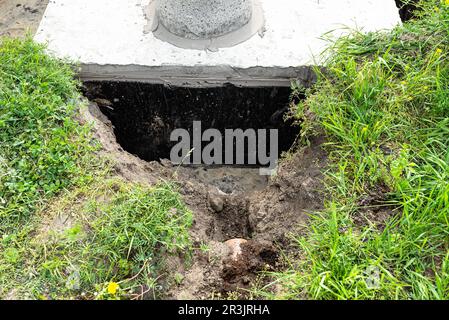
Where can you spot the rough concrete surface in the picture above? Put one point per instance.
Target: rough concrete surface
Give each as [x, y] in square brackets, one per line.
[203, 19]
[108, 38]
[213, 28]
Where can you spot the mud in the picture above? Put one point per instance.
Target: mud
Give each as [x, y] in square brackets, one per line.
[231, 180]
[241, 270]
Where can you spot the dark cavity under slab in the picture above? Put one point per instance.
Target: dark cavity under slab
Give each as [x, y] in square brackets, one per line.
[407, 9]
[144, 115]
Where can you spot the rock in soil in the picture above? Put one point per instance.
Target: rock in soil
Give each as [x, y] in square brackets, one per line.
[245, 260]
[216, 201]
[235, 248]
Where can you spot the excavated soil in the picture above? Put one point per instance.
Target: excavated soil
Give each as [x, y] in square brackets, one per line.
[260, 213]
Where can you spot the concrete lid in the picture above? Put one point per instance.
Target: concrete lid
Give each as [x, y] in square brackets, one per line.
[108, 38]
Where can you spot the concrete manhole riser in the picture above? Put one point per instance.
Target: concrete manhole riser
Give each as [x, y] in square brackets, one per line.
[204, 24]
[203, 19]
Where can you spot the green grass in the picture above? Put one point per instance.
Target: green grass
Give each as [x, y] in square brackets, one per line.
[112, 233]
[116, 232]
[41, 144]
[383, 105]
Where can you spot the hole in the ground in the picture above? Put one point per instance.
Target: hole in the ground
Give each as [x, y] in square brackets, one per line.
[407, 9]
[145, 115]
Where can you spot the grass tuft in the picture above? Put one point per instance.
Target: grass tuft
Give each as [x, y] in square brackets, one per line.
[383, 105]
[41, 143]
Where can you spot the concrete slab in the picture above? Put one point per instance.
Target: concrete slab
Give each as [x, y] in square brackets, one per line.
[108, 38]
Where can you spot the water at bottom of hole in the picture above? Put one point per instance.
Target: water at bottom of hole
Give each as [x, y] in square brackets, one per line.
[230, 180]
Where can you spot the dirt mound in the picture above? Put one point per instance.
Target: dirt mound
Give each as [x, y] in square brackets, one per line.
[294, 192]
[240, 269]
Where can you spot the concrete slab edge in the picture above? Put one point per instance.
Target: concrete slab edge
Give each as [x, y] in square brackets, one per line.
[200, 76]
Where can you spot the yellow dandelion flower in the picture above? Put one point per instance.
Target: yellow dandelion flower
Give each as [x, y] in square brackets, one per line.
[113, 287]
[446, 2]
[439, 51]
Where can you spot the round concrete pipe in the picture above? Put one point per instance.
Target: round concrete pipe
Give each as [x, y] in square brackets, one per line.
[203, 19]
[205, 24]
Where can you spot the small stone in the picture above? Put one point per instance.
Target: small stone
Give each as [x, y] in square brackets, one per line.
[216, 202]
[235, 247]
